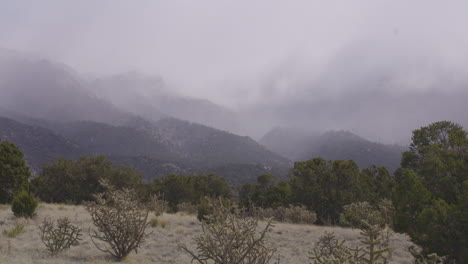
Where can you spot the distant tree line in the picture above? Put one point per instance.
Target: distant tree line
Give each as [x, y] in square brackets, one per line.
[429, 192]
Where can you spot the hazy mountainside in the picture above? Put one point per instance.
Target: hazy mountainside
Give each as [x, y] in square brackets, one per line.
[205, 145]
[45, 90]
[343, 145]
[40, 145]
[102, 139]
[151, 98]
[155, 149]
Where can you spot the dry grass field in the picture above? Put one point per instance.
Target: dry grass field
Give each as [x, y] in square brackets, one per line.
[293, 241]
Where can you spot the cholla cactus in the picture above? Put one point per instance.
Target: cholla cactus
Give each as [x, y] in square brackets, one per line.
[120, 219]
[230, 238]
[60, 238]
[375, 249]
[157, 204]
[329, 250]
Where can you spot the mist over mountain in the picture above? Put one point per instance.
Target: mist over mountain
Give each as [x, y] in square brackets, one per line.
[42, 89]
[151, 98]
[299, 145]
[187, 87]
[381, 90]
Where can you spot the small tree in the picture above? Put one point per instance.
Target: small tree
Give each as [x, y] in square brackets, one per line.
[14, 173]
[120, 219]
[230, 238]
[60, 238]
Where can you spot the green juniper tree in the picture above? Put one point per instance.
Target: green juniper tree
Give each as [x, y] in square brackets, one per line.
[14, 173]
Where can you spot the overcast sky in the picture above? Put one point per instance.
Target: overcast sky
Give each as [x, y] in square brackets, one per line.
[380, 68]
[237, 52]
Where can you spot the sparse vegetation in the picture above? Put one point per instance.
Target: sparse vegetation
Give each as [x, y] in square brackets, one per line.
[120, 219]
[234, 227]
[17, 229]
[188, 208]
[60, 238]
[330, 250]
[157, 204]
[292, 214]
[230, 238]
[373, 250]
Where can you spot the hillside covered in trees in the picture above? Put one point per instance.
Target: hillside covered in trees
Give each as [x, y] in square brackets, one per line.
[425, 198]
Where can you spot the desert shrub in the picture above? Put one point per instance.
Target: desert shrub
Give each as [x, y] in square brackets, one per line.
[154, 222]
[188, 208]
[17, 229]
[205, 208]
[291, 214]
[60, 238]
[363, 215]
[120, 219]
[228, 238]
[24, 205]
[202, 210]
[354, 213]
[330, 250]
[157, 204]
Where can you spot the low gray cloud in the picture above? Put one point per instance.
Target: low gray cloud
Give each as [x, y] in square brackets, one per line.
[318, 64]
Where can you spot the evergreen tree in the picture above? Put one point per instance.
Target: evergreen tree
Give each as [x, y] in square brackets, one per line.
[14, 173]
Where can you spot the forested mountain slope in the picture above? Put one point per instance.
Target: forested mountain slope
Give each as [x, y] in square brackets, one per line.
[343, 145]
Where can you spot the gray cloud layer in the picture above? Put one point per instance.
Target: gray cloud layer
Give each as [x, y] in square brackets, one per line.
[257, 55]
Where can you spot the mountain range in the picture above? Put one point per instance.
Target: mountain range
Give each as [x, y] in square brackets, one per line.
[50, 111]
[297, 144]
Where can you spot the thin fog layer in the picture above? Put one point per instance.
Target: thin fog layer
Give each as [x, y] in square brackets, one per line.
[377, 68]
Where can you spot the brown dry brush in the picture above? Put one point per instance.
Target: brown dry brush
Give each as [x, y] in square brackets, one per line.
[60, 238]
[330, 250]
[157, 204]
[231, 238]
[121, 221]
[291, 214]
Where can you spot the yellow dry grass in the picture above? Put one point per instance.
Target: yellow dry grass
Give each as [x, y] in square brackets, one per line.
[293, 241]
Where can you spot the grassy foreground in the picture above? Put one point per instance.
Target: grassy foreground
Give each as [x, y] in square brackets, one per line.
[293, 241]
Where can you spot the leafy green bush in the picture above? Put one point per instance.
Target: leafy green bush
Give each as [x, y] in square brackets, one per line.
[24, 205]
